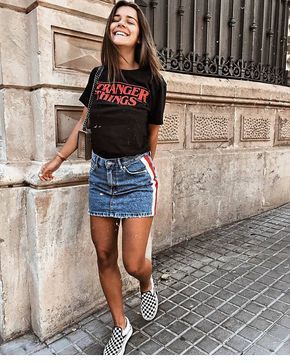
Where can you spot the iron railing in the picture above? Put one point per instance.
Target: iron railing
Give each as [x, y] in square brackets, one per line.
[241, 39]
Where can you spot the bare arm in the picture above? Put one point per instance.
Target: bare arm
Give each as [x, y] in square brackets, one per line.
[153, 137]
[69, 147]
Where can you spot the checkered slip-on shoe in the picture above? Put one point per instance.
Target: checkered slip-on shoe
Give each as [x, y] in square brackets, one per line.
[149, 303]
[120, 337]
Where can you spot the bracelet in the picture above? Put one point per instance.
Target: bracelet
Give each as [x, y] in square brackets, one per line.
[61, 156]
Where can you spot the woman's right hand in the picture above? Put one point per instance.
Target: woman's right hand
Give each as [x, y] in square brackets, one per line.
[48, 168]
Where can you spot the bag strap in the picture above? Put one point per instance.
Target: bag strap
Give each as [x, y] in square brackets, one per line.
[97, 76]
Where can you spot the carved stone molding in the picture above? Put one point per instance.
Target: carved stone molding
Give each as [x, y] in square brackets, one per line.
[209, 128]
[76, 51]
[66, 119]
[170, 129]
[255, 129]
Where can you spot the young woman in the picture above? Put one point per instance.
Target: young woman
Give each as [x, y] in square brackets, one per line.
[126, 113]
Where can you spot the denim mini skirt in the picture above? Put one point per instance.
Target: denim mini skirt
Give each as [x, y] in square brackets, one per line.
[122, 187]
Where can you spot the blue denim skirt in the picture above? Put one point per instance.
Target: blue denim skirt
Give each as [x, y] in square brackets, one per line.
[122, 187]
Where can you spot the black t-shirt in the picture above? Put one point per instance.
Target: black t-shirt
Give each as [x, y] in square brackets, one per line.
[121, 112]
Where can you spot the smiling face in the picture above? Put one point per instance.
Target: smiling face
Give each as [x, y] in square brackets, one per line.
[124, 29]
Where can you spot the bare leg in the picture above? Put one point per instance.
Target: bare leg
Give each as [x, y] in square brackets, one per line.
[135, 237]
[104, 232]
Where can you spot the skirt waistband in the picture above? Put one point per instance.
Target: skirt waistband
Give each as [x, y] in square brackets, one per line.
[119, 160]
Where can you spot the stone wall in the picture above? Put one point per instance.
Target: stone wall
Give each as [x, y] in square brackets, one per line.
[223, 155]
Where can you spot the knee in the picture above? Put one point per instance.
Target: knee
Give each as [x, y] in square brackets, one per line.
[106, 259]
[133, 268]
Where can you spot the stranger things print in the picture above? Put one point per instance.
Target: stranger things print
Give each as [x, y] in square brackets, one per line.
[122, 94]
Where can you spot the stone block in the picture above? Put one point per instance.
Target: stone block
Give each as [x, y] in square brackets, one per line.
[52, 31]
[55, 114]
[14, 287]
[18, 125]
[14, 57]
[196, 196]
[161, 229]
[276, 181]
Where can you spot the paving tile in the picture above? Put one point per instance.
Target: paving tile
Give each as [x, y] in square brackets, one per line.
[191, 318]
[85, 342]
[60, 344]
[177, 327]
[271, 315]
[178, 312]
[238, 343]
[194, 351]
[44, 351]
[203, 310]
[232, 324]
[138, 338]
[269, 343]
[189, 304]
[165, 320]
[70, 350]
[178, 346]
[244, 316]
[250, 333]
[256, 350]
[154, 328]
[284, 321]
[217, 317]
[192, 335]
[207, 344]
[76, 335]
[284, 349]
[150, 347]
[228, 308]
[280, 307]
[214, 302]
[165, 351]
[164, 337]
[206, 325]
[280, 332]
[224, 351]
[221, 334]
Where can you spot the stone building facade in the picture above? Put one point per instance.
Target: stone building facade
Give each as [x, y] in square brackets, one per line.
[223, 155]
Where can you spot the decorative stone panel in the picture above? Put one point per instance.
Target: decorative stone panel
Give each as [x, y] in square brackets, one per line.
[206, 127]
[255, 128]
[76, 51]
[66, 119]
[169, 131]
[209, 126]
[282, 128]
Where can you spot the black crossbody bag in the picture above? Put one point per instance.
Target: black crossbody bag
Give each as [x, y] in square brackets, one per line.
[85, 134]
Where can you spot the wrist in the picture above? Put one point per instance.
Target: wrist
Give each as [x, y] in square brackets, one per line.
[60, 156]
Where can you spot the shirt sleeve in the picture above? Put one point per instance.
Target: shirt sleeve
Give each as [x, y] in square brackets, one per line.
[85, 97]
[158, 97]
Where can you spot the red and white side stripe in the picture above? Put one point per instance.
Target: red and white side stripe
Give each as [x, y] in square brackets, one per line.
[150, 168]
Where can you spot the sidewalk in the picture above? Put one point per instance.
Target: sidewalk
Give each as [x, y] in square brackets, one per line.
[226, 291]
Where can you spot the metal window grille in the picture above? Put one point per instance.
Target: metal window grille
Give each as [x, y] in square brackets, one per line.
[240, 39]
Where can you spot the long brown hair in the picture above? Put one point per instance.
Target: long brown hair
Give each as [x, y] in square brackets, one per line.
[145, 51]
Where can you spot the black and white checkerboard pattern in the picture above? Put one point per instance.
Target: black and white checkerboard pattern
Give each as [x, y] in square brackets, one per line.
[115, 343]
[149, 305]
